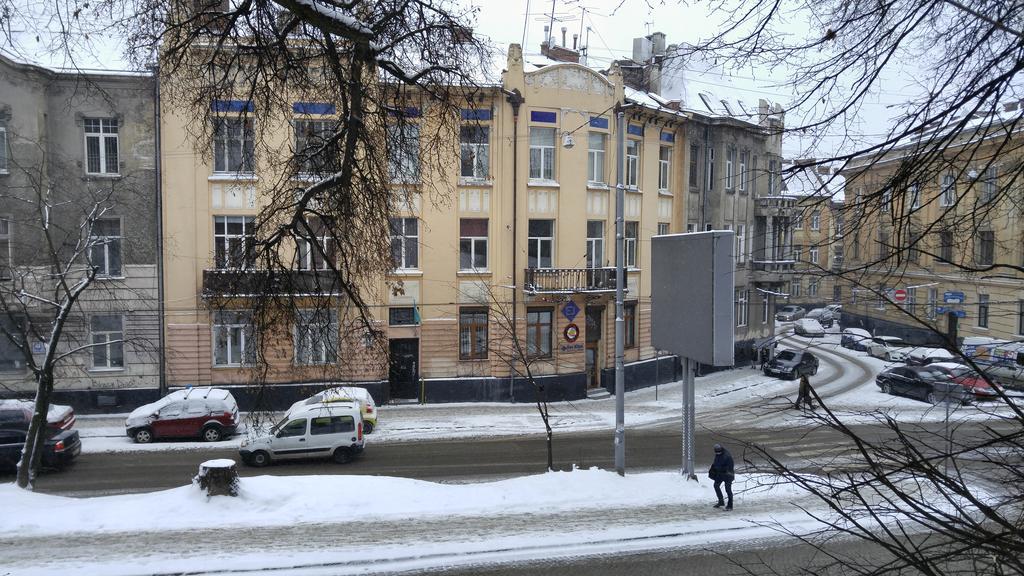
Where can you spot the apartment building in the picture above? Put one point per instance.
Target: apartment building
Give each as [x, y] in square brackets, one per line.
[817, 237]
[528, 225]
[72, 142]
[948, 244]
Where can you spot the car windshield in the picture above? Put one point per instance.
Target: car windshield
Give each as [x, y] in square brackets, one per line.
[786, 355]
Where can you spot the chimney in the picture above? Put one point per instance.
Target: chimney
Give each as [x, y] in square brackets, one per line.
[547, 38]
[657, 43]
[563, 36]
[575, 38]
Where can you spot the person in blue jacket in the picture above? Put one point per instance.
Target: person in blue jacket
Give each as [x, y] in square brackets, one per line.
[722, 472]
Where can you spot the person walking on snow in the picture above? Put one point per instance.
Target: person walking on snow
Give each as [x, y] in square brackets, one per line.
[722, 472]
[804, 393]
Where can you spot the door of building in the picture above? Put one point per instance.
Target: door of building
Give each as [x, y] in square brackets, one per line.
[403, 367]
[593, 350]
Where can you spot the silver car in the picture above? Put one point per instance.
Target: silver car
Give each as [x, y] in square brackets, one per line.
[789, 313]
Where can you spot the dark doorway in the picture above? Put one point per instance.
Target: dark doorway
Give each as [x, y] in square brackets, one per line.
[403, 367]
[593, 351]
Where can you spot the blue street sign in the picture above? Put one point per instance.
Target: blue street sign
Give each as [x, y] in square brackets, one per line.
[952, 297]
[570, 310]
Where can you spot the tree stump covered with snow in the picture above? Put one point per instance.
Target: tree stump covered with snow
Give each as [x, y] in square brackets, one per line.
[218, 477]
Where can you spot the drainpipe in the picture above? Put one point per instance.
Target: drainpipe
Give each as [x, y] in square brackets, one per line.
[515, 98]
[158, 172]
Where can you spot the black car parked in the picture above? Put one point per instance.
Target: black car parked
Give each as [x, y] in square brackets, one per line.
[60, 449]
[923, 383]
[792, 364]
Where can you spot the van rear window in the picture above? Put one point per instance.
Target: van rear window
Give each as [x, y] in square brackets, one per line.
[332, 425]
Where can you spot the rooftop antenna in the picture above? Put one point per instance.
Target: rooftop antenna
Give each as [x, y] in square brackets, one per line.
[551, 23]
[526, 22]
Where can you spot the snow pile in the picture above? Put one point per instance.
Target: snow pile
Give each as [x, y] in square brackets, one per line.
[287, 501]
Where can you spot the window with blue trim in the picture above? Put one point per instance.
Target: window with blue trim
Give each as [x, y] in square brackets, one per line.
[542, 153]
[595, 157]
[233, 145]
[474, 144]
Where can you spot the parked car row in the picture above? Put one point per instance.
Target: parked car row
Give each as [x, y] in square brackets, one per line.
[935, 383]
[62, 443]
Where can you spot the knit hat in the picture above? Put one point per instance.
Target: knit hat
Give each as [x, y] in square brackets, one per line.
[718, 448]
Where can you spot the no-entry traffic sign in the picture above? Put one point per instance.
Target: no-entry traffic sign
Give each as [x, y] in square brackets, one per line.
[899, 295]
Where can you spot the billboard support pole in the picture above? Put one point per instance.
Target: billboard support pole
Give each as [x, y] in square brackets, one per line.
[620, 281]
[689, 418]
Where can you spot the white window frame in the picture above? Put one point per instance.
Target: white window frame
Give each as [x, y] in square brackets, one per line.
[103, 248]
[315, 337]
[105, 342]
[223, 241]
[771, 177]
[710, 168]
[104, 131]
[306, 256]
[235, 327]
[886, 200]
[947, 187]
[6, 249]
[795, 286]
[730, 160]
[542, 154]
[4, 150]
[632, 163]
[305, 129]
[535, 244]
[816, 220]
[223, 141]
[765, 308]
[743, 171]
[595, 245]
[631, 241]
[812, 288]
[933, 298]
[596, 158]
[477, 246]
[664, 168]
[984, 310]
[914, 191]
[813, 252]
[663, 228]
[406, 239]
[404, 157]
[989, 185]
[741, 308]
[478, 153]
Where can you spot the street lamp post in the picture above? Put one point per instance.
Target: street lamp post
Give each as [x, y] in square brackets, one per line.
[620, 281]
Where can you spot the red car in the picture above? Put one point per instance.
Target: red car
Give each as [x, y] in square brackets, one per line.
[964, 376]
[210, 414]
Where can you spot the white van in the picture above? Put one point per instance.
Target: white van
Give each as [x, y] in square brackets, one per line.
[322, 431]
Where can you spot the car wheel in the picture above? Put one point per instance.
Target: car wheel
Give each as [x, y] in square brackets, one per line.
[259, 459]
[143, 436]
[342, 456]
[888, 357]
[367, 427]
[212, 434]
[886, 388]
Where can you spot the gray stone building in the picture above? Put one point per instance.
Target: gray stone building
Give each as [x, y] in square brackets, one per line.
[78, 160]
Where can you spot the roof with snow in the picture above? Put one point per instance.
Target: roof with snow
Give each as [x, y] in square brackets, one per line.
[810, 181]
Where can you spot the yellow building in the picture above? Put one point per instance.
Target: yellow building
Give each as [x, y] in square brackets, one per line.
[527, 223]
[817, 237]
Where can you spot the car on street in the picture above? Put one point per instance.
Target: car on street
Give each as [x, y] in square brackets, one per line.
[344, 394]
[923, 383]
[855, 339]
[333, 430]
[924, 355]
[59, 450]
[888, 348]
[824, 317]
[789, 313]
[808, 327]
[968, 378]
[210, 414]
[835, 309]
[792, 364]
[18, 414]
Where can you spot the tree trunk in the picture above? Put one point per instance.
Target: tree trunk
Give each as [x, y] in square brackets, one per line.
[31, 454]
[218, 477]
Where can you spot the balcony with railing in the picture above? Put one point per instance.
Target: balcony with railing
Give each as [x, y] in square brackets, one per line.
[259, 283]
[775, 206]
[569, 280]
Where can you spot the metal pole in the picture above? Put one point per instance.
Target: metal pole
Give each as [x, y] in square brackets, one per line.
[689, 417]
[620, 281]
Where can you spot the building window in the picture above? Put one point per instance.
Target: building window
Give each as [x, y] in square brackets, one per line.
[405, 243]
[105, 247]
[473, 244]
[837, 293]
[744, 161]
[101, 153]
[933, 297]
[911, 304]
[765, 309]
[663, 228]
[711, 169]
[629, 316]
[730, 161]
[402, 316]
[316, 337]
[946, 246]
[316, 252]
[798, 221]
[474, 143]
[798, 252]
[233, 342]
[772, 171]
[632, 163]
[233, 242]
[6, 253]
[3, 148]
[880, 303]
[986, 247]
[948, 195]
[914, 196]
[794, 288]
[694, 165]
[813, 251]
[595, 243]
[837, 255]
[886, 200]
[691, 227]
[233, 145]
[883, 245]
[982, 310]
[595, 157]
[631, 236]
[989, 186]
[404, 158]
[837, 222]
[541, 243]
[312, 153]
[741, 307]
[542, 153]
[472, 333]
[812, 288]
[107, 341]
[538, 332]
[816, 220]
[664, 167]
[741, 244]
